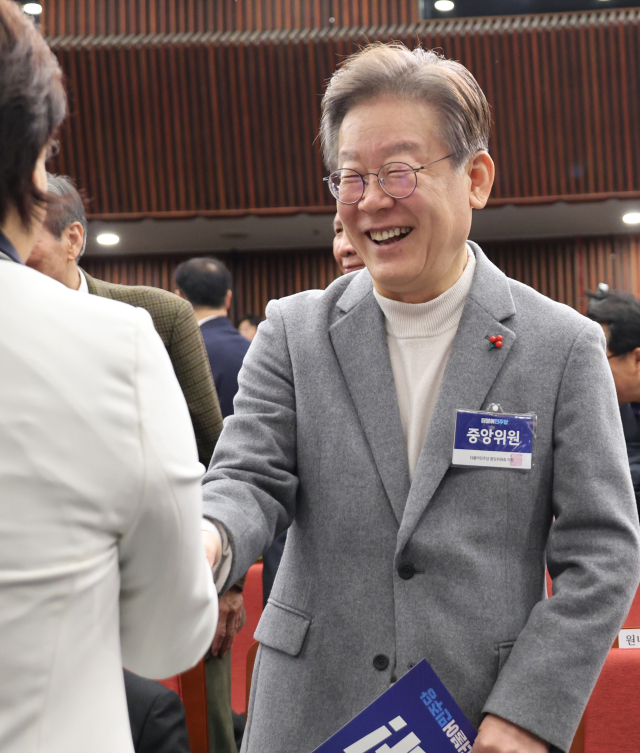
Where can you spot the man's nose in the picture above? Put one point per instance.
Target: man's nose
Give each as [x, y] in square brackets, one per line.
[374, 197]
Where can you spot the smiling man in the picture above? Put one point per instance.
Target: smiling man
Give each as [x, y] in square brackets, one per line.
[344, 432]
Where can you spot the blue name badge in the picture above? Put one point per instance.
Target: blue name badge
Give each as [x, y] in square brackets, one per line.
[416, 715]
[494, 440]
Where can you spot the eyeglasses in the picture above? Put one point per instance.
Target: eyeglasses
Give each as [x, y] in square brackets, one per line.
[397, 179]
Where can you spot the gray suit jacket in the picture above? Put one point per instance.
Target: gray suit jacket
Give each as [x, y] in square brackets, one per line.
[316, 444]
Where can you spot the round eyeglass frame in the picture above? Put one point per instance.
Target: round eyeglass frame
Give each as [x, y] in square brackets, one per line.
[365, 183]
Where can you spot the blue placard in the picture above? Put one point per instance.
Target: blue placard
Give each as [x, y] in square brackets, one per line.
[494, 440]
[416, 715]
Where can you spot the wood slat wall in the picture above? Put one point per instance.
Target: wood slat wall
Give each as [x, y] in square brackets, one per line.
[560, 269]
[257, 276]
[80, 17]
[212, 124]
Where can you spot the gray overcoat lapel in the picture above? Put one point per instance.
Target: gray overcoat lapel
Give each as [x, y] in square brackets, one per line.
[360, 343]
[471, 370]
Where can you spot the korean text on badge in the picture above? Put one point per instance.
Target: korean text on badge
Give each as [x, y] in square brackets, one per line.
[494, 440]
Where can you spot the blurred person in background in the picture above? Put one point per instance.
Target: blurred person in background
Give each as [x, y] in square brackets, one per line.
[343, 252]
[59, 247]
[343, 434]
[101, 560]
[206, 285]
[248, 326]
[619, 314]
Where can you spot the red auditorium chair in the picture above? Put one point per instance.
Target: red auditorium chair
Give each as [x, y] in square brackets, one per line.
[612, 717]
[611, 721]
[244, 640]
[191, 686]
[192, 689]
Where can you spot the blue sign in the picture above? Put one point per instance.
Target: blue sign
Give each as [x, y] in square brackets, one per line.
[494, 440]
[416, 715]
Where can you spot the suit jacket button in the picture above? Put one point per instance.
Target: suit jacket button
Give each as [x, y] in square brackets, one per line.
[380, 662]
[406, 571]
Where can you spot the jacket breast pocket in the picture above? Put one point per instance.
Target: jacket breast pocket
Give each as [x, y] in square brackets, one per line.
[283, 628]
[504, 651]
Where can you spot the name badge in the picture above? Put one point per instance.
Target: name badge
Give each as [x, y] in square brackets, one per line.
[494, 440]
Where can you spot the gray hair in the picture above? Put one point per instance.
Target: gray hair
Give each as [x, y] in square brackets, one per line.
[66, 206]
[424, 75]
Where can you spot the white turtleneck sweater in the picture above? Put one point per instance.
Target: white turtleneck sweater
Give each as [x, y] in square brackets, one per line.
[420, 336]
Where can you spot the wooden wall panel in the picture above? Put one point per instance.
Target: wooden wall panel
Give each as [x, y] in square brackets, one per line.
[561, 269]
[81, 17]
[257, 276]
[564, 269]
[216, 124]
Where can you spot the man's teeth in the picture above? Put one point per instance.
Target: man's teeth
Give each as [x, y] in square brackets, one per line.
[383, 235]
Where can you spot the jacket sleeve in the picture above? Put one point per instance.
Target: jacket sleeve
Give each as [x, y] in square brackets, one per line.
[191, 365]
[592, 556]
[168, 606]
[252, 484]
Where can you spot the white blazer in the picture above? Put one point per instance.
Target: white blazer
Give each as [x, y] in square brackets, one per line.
[101, 563]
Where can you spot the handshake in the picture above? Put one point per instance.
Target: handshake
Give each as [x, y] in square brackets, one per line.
[231, 613]
[212, 548]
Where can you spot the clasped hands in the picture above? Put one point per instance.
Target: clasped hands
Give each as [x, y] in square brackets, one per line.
[212, 547]
[231, 613]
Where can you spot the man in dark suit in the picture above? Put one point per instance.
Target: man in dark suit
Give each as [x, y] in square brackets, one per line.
[60, 245]
[206, 284]
[156, 714]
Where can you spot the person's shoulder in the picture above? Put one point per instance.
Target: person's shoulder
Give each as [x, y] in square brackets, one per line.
[44, 292]
[540, 311]
[144, 691]
[155, 300]
[309, 302]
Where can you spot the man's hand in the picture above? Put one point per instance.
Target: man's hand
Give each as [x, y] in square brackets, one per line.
[231, 618]
[497, 735]
[212, 547]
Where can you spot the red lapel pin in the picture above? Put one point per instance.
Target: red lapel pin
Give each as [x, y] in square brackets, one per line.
[495, 341]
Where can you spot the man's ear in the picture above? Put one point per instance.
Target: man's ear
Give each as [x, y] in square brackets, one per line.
[75, 235]
[481, 172]
[635, 354]
[227, 300]
[179, 293]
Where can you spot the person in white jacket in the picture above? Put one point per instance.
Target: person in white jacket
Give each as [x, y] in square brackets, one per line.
[101, 561]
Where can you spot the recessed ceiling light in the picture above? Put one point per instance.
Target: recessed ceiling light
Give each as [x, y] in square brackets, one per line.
[33, 9]
[444, 5]
[108, 239]
[631, 218]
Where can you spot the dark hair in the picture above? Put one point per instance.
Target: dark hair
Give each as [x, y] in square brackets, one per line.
[620, 310]
[32, 107]
[204, 282]
[65, 206]
[251, 318]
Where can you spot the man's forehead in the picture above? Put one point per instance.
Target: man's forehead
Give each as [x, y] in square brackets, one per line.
[384, 150]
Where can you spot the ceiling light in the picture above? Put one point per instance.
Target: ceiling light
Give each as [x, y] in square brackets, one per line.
[33, 9]
[632, 218]
[108, 239]
[444, 5]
